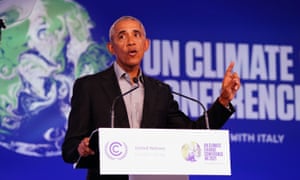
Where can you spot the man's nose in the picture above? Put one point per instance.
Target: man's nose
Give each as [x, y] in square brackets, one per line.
[131, 41]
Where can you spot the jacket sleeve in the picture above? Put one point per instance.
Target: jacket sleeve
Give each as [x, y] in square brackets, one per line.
[78, 123]
[217, 115]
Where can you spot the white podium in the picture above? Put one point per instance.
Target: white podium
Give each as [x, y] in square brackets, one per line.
[163, 152]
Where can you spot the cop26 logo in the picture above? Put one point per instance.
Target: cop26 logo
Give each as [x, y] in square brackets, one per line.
[191, 151]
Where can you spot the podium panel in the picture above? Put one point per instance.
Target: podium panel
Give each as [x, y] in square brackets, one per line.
[158, 177]
[164, 151]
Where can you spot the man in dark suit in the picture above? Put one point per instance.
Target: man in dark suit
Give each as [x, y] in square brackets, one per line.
[150, 106]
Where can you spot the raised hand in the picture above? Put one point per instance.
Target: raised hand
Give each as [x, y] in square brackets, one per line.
[230, 85]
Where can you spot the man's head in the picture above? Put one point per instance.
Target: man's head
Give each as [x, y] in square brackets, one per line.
[112, 27]
[128, 42]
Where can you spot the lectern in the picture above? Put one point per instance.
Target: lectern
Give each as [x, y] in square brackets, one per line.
[140, 152]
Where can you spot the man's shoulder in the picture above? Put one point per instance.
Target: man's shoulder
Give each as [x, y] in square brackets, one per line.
[96, 78]
[106, 73]
[156, 82]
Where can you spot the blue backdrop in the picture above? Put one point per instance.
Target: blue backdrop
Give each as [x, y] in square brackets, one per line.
[47, 44]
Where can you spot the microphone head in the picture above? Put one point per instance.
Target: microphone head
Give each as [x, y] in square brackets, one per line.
[135, 80]
[2, 24]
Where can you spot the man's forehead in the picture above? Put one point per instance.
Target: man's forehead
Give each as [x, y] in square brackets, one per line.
[128, 25]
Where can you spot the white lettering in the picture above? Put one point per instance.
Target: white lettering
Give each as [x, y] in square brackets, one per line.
[193, 50]
[286, 63]
[151, 66]
[251, 101]
[284, 107]
[190, 89]
[297, 102]
[242, 137]
[208, 67]
[220, 60]
[164, 60]
[241, 56]
[256, 100]
[258, 66]
[271, 56]
[170, 58]
[239, 103]
[270, 138]
[205, 90]
[267, 101]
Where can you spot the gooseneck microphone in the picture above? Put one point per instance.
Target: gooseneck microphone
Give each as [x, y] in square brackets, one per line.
[2, 26]
[136, 81]
[195, 100]
[189, 98]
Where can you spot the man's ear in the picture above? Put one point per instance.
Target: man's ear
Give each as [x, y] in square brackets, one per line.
[110, 48]
[147, 44]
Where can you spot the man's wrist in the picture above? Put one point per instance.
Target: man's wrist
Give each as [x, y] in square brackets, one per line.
[224, 102]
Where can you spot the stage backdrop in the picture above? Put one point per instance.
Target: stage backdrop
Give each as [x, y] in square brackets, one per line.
[49, 43]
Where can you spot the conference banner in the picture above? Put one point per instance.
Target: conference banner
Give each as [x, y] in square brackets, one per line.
[46, 44]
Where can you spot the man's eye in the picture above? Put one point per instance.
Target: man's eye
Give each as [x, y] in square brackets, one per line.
[121, 37]
[137, 34]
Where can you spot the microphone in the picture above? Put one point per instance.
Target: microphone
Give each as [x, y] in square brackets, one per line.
[189, 98]
[2, 26]
[136, 81]
[202, 106]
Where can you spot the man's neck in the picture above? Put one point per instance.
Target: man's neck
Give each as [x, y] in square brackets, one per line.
[132, 71]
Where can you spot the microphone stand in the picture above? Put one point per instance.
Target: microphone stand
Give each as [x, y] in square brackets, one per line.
[2, 26]
[195, 100]
[136, 81]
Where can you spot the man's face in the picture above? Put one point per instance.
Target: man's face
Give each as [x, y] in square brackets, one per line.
[128, 44]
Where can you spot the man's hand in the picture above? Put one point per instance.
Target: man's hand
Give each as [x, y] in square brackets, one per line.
[83, 148]
[230, 85]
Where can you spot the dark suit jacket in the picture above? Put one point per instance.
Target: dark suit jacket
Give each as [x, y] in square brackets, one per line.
[91, 106]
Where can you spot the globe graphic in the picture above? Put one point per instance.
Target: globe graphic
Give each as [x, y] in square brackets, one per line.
[191, 151]
[46, 45]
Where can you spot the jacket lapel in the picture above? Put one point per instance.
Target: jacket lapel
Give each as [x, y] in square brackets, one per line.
[112, 90]
[150, 97]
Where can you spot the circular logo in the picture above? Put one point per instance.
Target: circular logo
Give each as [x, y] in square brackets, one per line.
[116, 150]
[191, 151]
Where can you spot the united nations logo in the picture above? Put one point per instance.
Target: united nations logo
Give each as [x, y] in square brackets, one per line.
[116, 150]
[191, 152]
